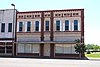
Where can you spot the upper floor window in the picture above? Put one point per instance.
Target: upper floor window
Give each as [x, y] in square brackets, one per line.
[21, 16]
[58, 15]
[47, 26]
[36, 25]
[37, 16]
[29, 16]
[3, 27]
[58, 25]
[20, 26]
[28, 26]
[9, 27]
[47, 15]
[76, 25]
[66, 24]
[75, 13]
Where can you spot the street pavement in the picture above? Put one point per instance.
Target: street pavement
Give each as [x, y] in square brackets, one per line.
[33, 62]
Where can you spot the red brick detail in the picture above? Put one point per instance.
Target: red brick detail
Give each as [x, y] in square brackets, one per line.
[51, 31]
[82, 29]
[41, 50]
[52, 50]
[42, 26]
[82, 25]
[60, 55]
[28, 54]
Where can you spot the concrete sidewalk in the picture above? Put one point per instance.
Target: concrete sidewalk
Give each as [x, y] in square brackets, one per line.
[33, 62]
[94, 59]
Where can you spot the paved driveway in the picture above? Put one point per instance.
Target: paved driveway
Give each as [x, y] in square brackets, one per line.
[31, 62]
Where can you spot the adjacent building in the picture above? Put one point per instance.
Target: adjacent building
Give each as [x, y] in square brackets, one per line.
[50, 33]
[7, 32]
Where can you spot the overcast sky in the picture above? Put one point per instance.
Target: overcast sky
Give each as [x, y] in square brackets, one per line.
[92, 12]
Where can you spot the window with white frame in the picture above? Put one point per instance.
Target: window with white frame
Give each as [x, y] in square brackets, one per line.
[57, 25]
[20, 26]
[36, 25]
[66, 25]
[46, 25]
[75, 25]
[28, 26]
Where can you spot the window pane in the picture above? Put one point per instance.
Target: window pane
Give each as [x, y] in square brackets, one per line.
[3, 27]
[75, 24]
[47, 28]
[58, 25]
[27, 48]
[9, 49]
[28, 26]
[37, 26]
[2, 49]
[9, 27]
[67, 48]
[37, 23]
[66, 24]
[20, 26]
[35, 48]
[58, 48]
[47, 25]
[21, 48]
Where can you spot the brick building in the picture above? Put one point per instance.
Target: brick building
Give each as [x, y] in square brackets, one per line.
[50, 33]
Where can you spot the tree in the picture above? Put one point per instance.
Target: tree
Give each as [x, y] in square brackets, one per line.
[99, 48]
[89, 47]
[95, 47]
[79, 47]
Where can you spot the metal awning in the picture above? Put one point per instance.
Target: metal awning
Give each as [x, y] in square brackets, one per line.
[48, 42]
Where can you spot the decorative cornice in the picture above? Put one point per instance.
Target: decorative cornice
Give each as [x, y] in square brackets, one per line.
[50, 11]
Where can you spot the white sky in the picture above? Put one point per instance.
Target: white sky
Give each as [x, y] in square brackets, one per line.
[92, 12]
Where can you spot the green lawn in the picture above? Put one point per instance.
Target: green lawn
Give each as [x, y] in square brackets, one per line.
[93, 55]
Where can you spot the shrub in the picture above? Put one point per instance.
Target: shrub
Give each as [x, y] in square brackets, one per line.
[88, 52]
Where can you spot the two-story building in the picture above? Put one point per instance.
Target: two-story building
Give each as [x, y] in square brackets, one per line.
[7, 32]
[50, 33]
